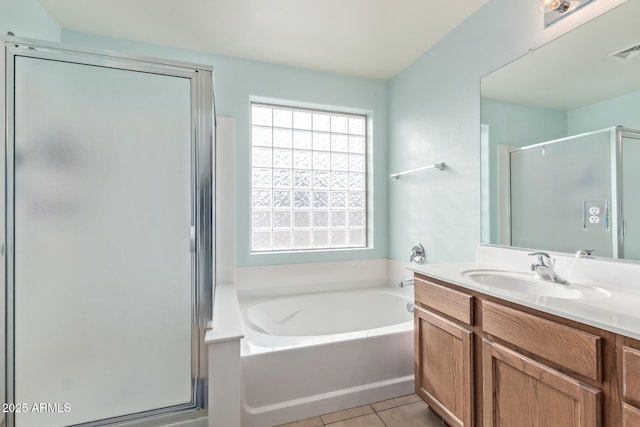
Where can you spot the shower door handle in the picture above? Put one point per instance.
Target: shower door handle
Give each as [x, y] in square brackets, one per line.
[192, 239]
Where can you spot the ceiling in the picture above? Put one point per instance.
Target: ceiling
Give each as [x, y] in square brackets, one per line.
[576, 69]
[366, 38]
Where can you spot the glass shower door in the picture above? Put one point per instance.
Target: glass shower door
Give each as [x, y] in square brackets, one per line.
[550, 184]
[103, 270]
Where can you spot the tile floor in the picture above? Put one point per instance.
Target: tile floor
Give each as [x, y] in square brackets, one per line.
[405, 411]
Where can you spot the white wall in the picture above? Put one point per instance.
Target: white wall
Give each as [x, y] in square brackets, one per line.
[224, 209]
[434, 116]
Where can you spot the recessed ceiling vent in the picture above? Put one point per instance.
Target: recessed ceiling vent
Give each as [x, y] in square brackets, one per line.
[628, 53]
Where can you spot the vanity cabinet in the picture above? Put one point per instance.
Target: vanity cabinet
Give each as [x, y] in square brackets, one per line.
[630, 373]
[517, 366]
[443, 352]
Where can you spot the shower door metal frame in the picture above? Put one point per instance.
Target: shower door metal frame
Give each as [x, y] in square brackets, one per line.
[617, 222]
[617, 154]
[202, 129]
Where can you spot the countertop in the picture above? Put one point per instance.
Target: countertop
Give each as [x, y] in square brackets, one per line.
[617, 312]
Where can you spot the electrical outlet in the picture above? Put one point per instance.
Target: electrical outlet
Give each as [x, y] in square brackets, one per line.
[596, 215]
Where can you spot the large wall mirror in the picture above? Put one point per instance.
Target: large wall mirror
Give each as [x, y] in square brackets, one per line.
[560, 142]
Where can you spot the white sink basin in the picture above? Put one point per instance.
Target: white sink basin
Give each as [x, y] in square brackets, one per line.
[528, 284]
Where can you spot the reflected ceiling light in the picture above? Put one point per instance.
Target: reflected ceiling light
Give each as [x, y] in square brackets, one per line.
[554, 10]
[560, 6]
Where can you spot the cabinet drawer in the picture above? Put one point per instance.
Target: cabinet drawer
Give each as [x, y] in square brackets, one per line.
[631, 373]
[576, 350]
[453, 303]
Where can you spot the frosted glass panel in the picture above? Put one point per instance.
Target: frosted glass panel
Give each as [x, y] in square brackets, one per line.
[102, 260]
[631, 197]
[548, 189]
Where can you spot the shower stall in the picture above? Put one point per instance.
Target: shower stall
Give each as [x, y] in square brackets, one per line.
[107, 253]
[578, 192]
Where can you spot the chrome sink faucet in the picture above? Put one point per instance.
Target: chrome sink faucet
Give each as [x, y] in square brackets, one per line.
[544, 268]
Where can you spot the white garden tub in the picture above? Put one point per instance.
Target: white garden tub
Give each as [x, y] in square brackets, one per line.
[310, 354]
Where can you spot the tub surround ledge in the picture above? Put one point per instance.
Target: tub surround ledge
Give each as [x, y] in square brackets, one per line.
[321, 275]
[227, 321]
[223, 342]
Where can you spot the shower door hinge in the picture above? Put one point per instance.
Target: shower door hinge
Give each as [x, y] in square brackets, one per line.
[192, 239]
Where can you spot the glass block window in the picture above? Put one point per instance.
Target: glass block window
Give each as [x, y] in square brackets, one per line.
[308, 179]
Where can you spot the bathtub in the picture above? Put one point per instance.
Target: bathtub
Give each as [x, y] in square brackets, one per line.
[314, 353]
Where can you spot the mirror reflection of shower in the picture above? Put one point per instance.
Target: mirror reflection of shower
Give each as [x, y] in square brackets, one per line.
[572, 193]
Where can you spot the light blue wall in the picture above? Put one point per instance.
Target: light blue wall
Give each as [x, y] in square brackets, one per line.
[434, 116]
[619, 111]
[27, 19]
[519, 125]
[433, 108]
[236, 82]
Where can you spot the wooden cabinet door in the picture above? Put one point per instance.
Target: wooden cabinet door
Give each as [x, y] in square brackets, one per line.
[444, 367]
[519, 391]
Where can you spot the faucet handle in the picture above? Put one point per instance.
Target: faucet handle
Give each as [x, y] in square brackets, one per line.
[585, 253]
[543, 258]
[417, 254]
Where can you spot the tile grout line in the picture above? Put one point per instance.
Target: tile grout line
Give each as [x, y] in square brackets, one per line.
[350, 418]
[376, 412]
[393, 407]
[380, 418]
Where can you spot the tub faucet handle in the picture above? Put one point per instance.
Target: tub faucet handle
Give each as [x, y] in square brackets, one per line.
[417, 254]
